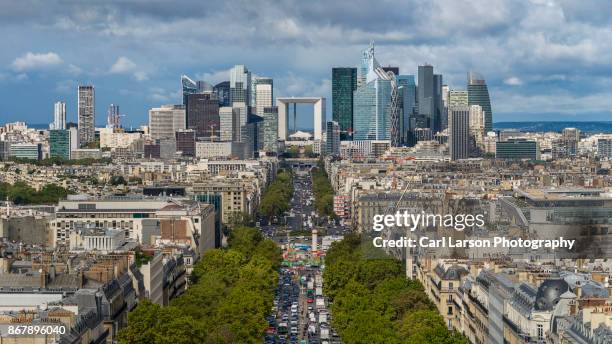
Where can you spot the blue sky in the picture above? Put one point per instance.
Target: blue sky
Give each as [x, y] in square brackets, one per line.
[543, 60]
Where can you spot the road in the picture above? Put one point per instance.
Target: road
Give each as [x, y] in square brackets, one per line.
[301, 312]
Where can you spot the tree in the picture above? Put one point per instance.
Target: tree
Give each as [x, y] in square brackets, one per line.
[427, 326]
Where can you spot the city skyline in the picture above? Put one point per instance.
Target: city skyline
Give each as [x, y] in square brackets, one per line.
[522, 50]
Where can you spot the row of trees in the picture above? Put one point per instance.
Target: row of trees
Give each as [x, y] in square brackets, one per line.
[323, 192]
[21, 193]
[276, 200]
[230, 295]
[374, 303]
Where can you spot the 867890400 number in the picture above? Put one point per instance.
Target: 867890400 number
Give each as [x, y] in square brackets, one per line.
[35, 329]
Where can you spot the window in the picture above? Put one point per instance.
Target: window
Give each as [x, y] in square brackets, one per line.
[450, 285]
[540, 332]
[450, 310]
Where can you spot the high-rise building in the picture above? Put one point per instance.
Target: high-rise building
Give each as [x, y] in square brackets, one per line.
[113, 118]
[4, 150]
[478, 94]
[459, 132]
[186, 142]
[188, 87]
[222, 90]
[408, 90]
[457, 98]
[59, 144]
[240, 85]
[344, 83]
[165, 121]
[394, 70]
[445, 106]
[375, 103]
[604, 148]
[332, 138]
[429, 96]
[32, 151]
[517, 149]
[243, 113]
[477, 125]
[203, 114]
[59, 116]
[263, 95]
[229, 123]
[270, 127]
[86, 114]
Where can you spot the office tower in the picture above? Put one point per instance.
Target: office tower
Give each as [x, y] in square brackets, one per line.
[203, 114]
[113, 119]
[270, 136]
[32, 151]
[445, 106]
[332, 141]
[240, 84]
[229, 123]
[165, 121]
[571, 137]
[59, 144]
[459, 132]
[248, 136]
[263, 95]
[344, 83]
[59, 116]
[376, 103]
[438, 105]
[4, 150]
[74, 136]
[86, 115]
[478, 94]
[152, 151]
[186, 142]
[477, 125]
[517, 149]
[429, 96]
[408, 97]
[204, 86]
[188, 87]
[394, 70]
[222, 90]
[457, 98]
[243, 112]
[604, 148]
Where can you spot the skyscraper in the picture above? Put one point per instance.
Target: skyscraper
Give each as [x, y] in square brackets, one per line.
[113, 118]
[375, 102]
[270, 126]
[165, 121]
[332, 134]
[459, 132]
[240, 84]
[408, 87]
[188, 87]
[59, 144]
[59, 116]
[86, 114]
[478, 94]
[344, 83]
[263, 95]
[394, 70]
[229, 123]
[429, 96]
[203, 114]
[457, 98]
[222, 90]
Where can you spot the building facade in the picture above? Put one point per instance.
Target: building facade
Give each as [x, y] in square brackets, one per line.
[86, 114]
[344, 83]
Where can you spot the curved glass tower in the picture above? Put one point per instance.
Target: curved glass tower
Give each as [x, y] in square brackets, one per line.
[478, 94]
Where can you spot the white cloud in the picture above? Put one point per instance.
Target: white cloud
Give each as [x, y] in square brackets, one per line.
[214, 77]
[513, 81]
[122, 65]
[31, 61]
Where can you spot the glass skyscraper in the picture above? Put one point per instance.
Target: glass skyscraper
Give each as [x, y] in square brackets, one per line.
[188, 87]
[344, 83]
[222, 90]
[270, 127]
[478, 94]
[408, 96]
[240, 85]
[59, 144]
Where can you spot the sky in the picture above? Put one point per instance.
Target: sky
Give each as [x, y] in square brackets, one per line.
[543, 60]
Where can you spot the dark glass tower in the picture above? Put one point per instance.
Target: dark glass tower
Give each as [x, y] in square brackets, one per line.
[478, 94]
[203, 114]
[222, 90]
[344, 82]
